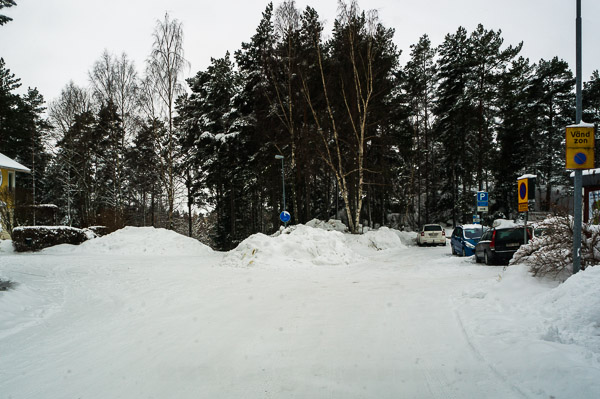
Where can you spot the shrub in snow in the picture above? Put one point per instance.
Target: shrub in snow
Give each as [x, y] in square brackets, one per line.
[552, 253]
[6, 285]
[98, 231]
[34, 238]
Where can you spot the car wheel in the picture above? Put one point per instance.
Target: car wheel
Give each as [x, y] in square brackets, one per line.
[486, 259]
[464, 253]
[477, 260]
[452, 250]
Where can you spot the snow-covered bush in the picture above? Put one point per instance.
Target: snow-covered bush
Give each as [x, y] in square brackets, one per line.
[552, 252]
[34, 238]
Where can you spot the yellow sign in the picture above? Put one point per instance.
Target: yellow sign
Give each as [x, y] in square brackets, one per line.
[523, 207]
[523, 191]
[580, 147]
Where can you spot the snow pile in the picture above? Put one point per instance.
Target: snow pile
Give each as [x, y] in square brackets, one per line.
[380, 239]
[572, 311]
[298, 243]
[542, 324]
[6, 246]
[330, 225]
[407, 237]
[139, 241]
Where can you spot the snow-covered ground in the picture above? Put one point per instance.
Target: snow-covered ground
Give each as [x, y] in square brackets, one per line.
[309, 313]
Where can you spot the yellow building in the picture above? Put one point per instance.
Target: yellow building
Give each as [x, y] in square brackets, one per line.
[8, 170]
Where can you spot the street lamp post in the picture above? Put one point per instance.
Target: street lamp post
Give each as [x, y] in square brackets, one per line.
[282, 181]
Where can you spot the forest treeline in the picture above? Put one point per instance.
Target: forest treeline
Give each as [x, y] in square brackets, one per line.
[363, 137]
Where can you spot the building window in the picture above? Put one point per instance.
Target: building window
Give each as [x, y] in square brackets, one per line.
[11, 181]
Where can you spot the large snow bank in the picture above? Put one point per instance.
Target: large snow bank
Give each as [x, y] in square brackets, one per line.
[317, 243]
[571, 311]
[542, 324]
[297, 243]
[139, 241]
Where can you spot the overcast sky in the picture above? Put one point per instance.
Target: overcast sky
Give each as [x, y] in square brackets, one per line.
[50, 42]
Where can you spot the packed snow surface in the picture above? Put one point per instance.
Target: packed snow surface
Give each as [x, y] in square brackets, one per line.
[307, 313]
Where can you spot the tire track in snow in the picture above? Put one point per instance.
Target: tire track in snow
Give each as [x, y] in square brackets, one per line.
[501, 377]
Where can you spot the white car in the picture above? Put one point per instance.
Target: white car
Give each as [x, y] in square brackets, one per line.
[431, 234]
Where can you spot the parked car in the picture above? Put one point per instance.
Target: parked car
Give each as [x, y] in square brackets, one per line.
[431, 234]
[464, 238]
[499, 244]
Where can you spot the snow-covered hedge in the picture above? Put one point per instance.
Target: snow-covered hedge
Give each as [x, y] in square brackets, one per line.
[552, 252]
[34, 238]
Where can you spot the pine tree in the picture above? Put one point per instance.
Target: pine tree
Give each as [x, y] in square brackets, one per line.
[141, 159]
[591, 99]
[554, 109]
[516, 154]
[6, 3]
[489, 62]
[33, 154]
[456, 124]
[419, 85]
[109, 174]
[211, 145]
[9, 103]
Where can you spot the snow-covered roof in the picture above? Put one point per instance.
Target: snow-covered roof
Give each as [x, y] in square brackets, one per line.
[527, 176]
[7, 163]
[582, 124]
[588, 172]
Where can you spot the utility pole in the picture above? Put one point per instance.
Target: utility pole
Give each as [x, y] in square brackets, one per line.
[578, 173]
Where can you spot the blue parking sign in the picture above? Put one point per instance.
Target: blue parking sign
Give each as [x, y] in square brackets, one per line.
[482, 198]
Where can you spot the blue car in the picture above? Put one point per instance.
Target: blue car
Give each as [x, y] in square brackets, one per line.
[464, 238]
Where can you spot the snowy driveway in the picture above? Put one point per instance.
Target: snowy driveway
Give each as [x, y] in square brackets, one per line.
[397, 324]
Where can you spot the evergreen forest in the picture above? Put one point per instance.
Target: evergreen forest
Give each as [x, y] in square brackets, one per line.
[364, 138]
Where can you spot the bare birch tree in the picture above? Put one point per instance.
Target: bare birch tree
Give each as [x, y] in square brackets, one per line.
[63, 111]
[165, 67]
[114, 80]
[343, 132]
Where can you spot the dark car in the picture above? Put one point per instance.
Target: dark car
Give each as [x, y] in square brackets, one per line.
[464, 238]
[499, 244]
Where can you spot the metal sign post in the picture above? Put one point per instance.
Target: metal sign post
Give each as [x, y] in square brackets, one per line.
[284, 216]
[578, 174]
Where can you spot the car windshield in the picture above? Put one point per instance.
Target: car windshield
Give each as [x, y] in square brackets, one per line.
[515, 234]
[473, 233]
[433, 227]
